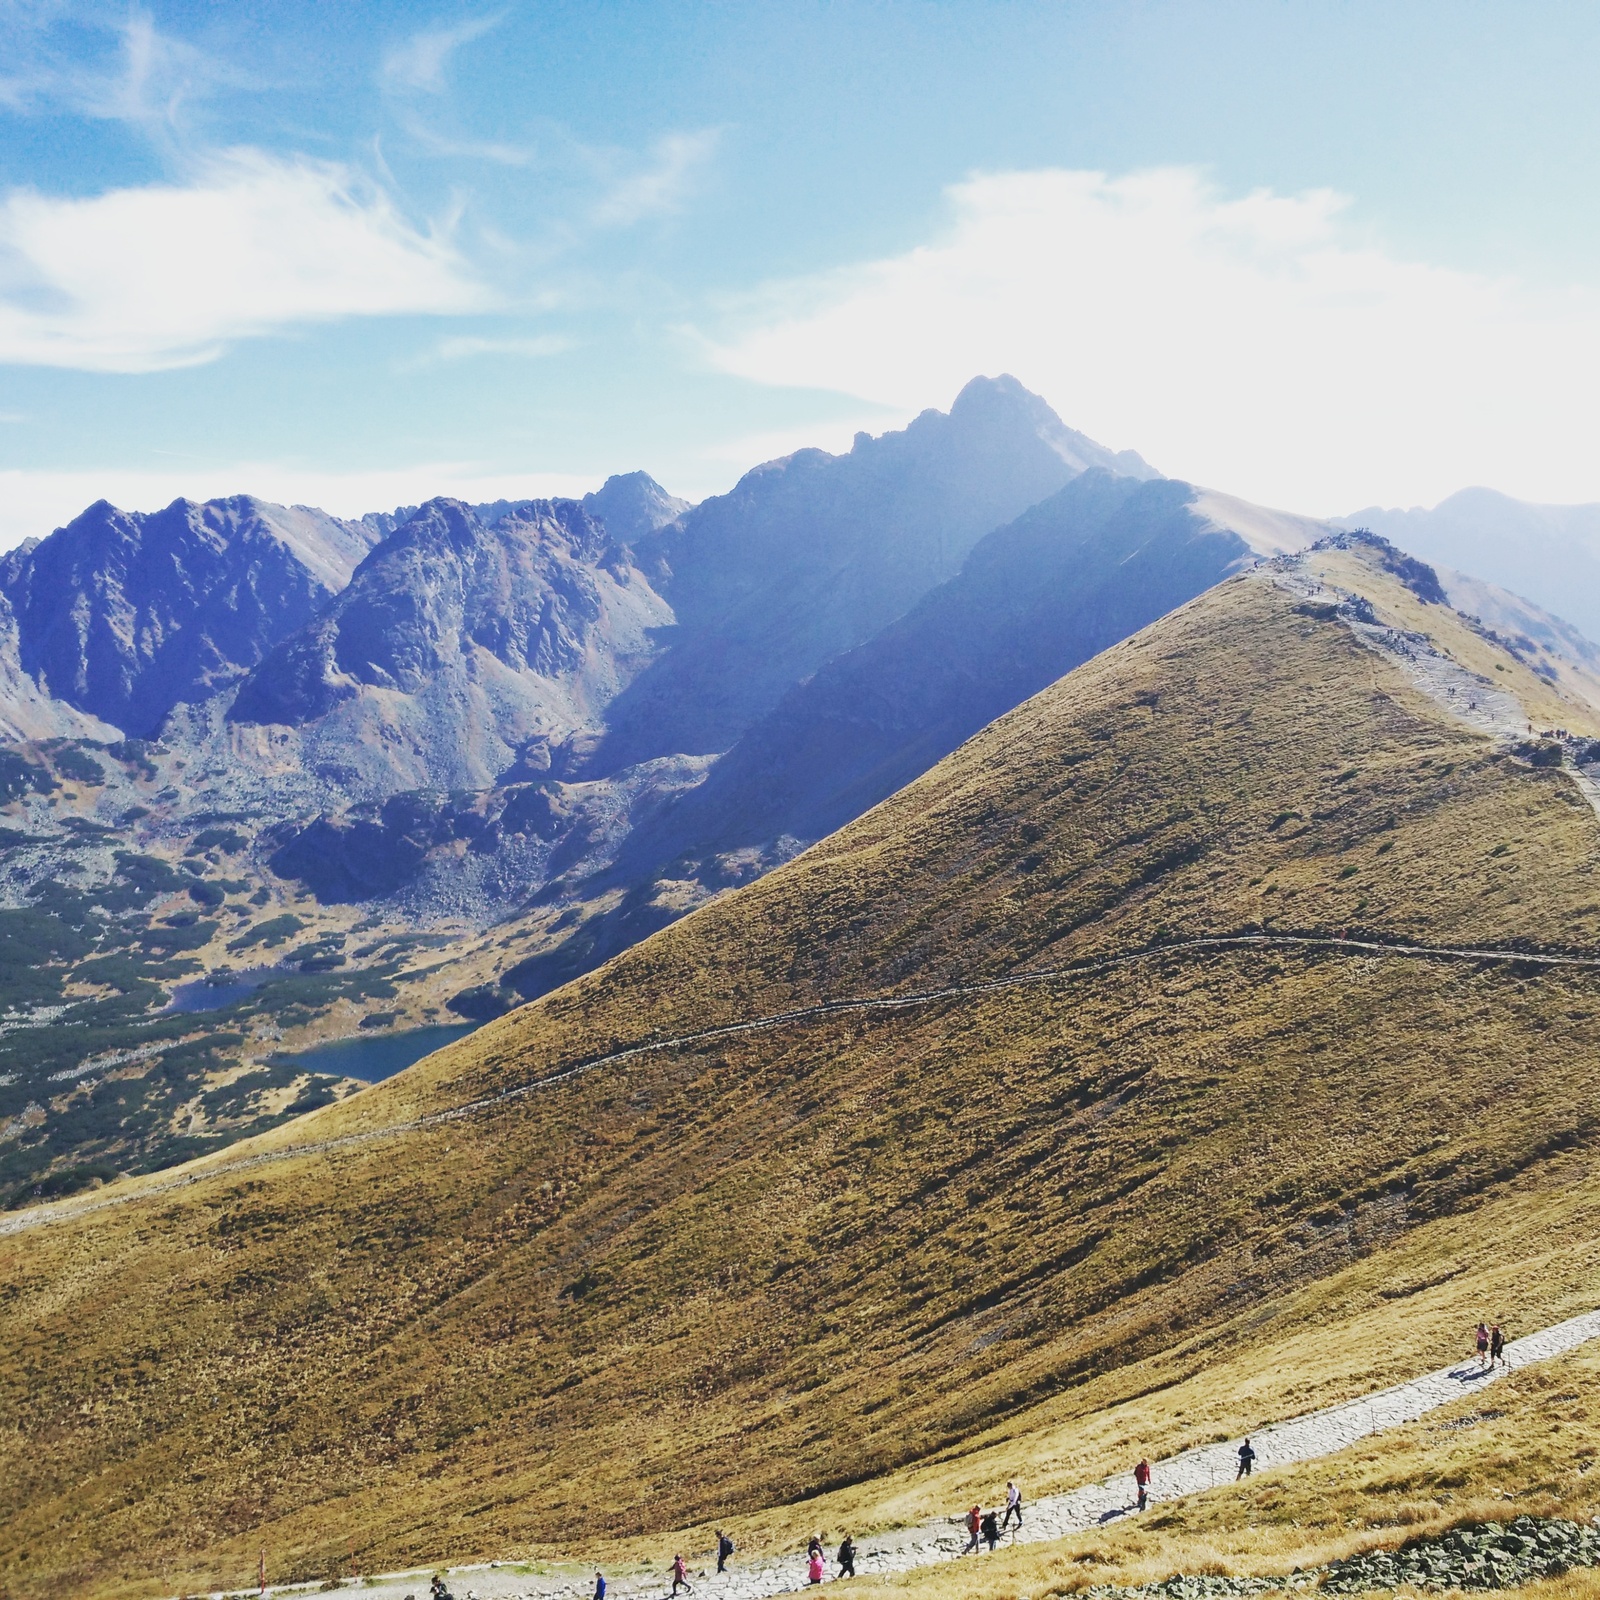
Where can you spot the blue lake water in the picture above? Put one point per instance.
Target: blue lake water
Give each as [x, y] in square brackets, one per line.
[201, 994]
[375, 1057]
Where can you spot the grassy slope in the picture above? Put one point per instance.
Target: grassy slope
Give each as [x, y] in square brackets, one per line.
[725, 1279]
[1531, 1444]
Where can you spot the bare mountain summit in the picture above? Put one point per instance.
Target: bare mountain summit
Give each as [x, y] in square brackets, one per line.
[125, 614]
[813, 554]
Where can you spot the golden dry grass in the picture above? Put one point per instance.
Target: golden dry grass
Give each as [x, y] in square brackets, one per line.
[843, 1271]
[1529, 1444]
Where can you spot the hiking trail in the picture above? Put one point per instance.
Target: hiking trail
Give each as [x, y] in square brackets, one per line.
[207, 1167]
[1099, 1504]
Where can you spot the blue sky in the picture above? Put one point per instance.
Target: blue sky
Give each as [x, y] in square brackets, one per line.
[1316, 254]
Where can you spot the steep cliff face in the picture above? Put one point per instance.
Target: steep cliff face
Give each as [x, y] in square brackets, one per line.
[124, 615]
[457, 644]
[26, 711]
[815, 553]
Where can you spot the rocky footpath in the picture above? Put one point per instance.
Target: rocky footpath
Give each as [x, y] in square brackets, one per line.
[1493, 1551]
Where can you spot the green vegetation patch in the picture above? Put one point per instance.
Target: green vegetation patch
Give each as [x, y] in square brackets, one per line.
[274, 931]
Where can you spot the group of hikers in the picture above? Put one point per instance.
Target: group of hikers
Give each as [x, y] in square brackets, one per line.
[1491, 1343]
[816, 1563]
[983, 1527]
[989, 1527]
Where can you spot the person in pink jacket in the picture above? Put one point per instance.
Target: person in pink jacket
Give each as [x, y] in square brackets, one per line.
[814, 1568]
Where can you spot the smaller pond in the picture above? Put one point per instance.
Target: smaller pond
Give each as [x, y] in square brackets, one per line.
[375, 1057]
[219, 990]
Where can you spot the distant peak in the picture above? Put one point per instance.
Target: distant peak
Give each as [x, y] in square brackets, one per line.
[982, 390]
[632, 505]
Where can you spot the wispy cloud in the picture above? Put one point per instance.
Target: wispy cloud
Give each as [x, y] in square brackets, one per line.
[662, 184]
[419, 67]
[123, 68]
[421, 62]
[469, 347]
[166, 275]
[1249, 342]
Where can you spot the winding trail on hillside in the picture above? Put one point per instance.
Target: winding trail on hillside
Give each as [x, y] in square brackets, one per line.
[1094, 1505]
[215, 1167]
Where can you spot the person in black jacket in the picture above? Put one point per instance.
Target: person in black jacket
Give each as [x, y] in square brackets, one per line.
[1247, 1459]
[991, 1529]
[724, 1550]
[847, 1558]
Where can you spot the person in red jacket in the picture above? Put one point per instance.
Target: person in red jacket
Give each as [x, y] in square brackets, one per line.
[1141, 1482]
[974, 1529]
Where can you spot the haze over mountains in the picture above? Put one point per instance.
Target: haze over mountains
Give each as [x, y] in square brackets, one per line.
[434, 762]
[1549, 554]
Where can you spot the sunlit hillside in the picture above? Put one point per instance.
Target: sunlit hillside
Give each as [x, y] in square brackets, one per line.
[837, 1256]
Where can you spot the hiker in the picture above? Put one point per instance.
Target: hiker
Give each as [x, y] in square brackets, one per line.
[991, 1529]
[1247, 1459]
[814, 1548]
[847, 1557]
[599, 1586]
[680, 1575]
[1483, 1345]
[974, 1524]
[1497, 1345]
[724, 1550]
[1141, 1482]
[814, 1569]
[1013, 1505]
[437, 1589]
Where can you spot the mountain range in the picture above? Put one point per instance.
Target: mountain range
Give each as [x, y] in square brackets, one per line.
[1171, 1057]
[300, 778]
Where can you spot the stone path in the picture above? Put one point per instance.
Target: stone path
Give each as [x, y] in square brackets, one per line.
[213, 1167]
[1318, 1433]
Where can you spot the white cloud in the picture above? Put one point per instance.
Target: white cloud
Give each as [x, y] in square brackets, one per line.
[662, 185]
[466, 348]
[420, 62]
[141, 279]
[32, 503]
[1247, 343]
[55, 59]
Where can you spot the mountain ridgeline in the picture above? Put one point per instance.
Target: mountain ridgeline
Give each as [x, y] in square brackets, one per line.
[123, 616]
[301, 778]
[1005, 1151]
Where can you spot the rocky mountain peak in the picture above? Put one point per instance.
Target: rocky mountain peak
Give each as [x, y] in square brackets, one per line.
[813, 553]
[633, 505]
[124, 614]
[457, 641]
